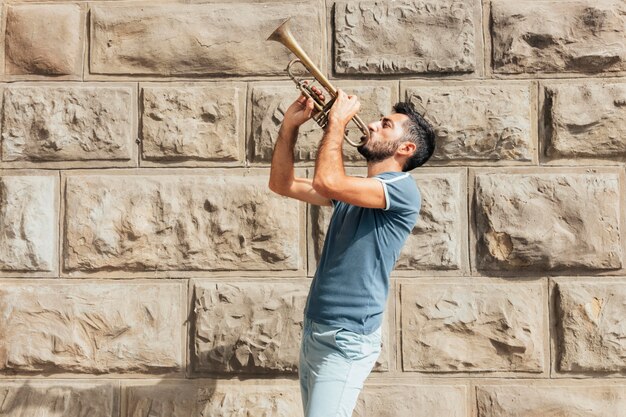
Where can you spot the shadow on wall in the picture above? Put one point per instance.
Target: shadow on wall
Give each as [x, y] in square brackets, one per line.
[52, 398]
[149, 398]
[141, 398]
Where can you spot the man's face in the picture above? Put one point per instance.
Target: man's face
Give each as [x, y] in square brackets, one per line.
[384, 138]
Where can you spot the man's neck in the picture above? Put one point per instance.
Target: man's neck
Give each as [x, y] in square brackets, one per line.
[383, 166]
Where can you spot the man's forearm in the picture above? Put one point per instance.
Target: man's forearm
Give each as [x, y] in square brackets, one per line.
[282, 172]
[329, 167]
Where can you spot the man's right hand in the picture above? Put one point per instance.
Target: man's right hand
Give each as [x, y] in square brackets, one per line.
[301, 110]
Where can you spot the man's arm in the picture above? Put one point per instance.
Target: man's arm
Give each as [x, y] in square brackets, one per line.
[282, 178]
[330, 178]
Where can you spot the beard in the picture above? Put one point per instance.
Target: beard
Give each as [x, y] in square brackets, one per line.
[375, 151]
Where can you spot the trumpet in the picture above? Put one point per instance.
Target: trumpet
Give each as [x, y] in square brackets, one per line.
[283, 35]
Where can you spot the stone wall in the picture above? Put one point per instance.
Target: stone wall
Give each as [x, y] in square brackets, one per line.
[146, 270]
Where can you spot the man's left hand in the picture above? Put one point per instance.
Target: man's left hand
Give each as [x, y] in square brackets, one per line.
[343, 110]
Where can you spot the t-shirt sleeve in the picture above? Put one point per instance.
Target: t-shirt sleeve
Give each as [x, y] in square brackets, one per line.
[401, 194]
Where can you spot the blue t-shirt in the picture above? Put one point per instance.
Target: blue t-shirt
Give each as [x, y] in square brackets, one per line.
[362, 245]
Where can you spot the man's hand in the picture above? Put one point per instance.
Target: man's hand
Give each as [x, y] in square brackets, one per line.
[301, 110]
[343, 109]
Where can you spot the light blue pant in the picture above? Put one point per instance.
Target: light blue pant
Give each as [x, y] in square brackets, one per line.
[334, 364]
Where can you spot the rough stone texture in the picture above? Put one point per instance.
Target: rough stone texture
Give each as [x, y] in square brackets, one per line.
[585, 120]
[412, 401]
[44, 39]
[270, 102]
[592, 330]
[528, 102]
[178, 222]
[68, 123]
[404, 37]
[198, 39]
[58, 399]
[91, 328]
[214, 398]
[251, 327]
[458, 327]
[558, 36]
[551, 401]
[547, 221]
[28, 223]
[435, 243]
[202, 123]
[486, 122]
[248, 326]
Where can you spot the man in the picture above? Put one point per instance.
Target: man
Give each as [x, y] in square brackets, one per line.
[371, 220]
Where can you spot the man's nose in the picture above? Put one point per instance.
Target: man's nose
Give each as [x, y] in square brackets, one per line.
[372, 126]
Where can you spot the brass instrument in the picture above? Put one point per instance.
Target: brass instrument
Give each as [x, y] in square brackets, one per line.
[283, 35]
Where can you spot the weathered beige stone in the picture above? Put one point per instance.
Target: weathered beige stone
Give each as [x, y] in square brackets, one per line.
[435, 242]
[178, 222]
[412, 401]
[404, 37]
[248, 327]
[28, 223]
[269, 103]
[547, 221]
[91, 328]
[585, 120]
[199, 39]
[486, 122]
[193, 122]
[459, 327]
[68, 123]
[44, 39]
[263, 398]
[551, 401]
[252, 327]
[556, 36]
[59, 398]
[592, 331]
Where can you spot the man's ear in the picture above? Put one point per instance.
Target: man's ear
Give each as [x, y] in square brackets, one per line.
[407, 148]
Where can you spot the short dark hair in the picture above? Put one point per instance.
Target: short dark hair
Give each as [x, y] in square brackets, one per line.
[419, 131]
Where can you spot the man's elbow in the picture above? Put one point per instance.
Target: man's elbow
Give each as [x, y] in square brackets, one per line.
[324, 187]
[276, 188]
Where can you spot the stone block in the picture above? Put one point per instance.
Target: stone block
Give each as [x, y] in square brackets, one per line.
[251, 327]
[269, 102]
[74, 122]
[44, 39]
[199, 122]
[437, 240]
[481, 327]
[478, 123]
[592, 399]
[29, 215]
[95, 329]
[548, 221]
[405, 37]
[585, 120]
[558, 36]
[206, 397]
[412, 401]
[187, 222]
[59, 398]
[199, 39]
[248, 327]
[591, 334]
